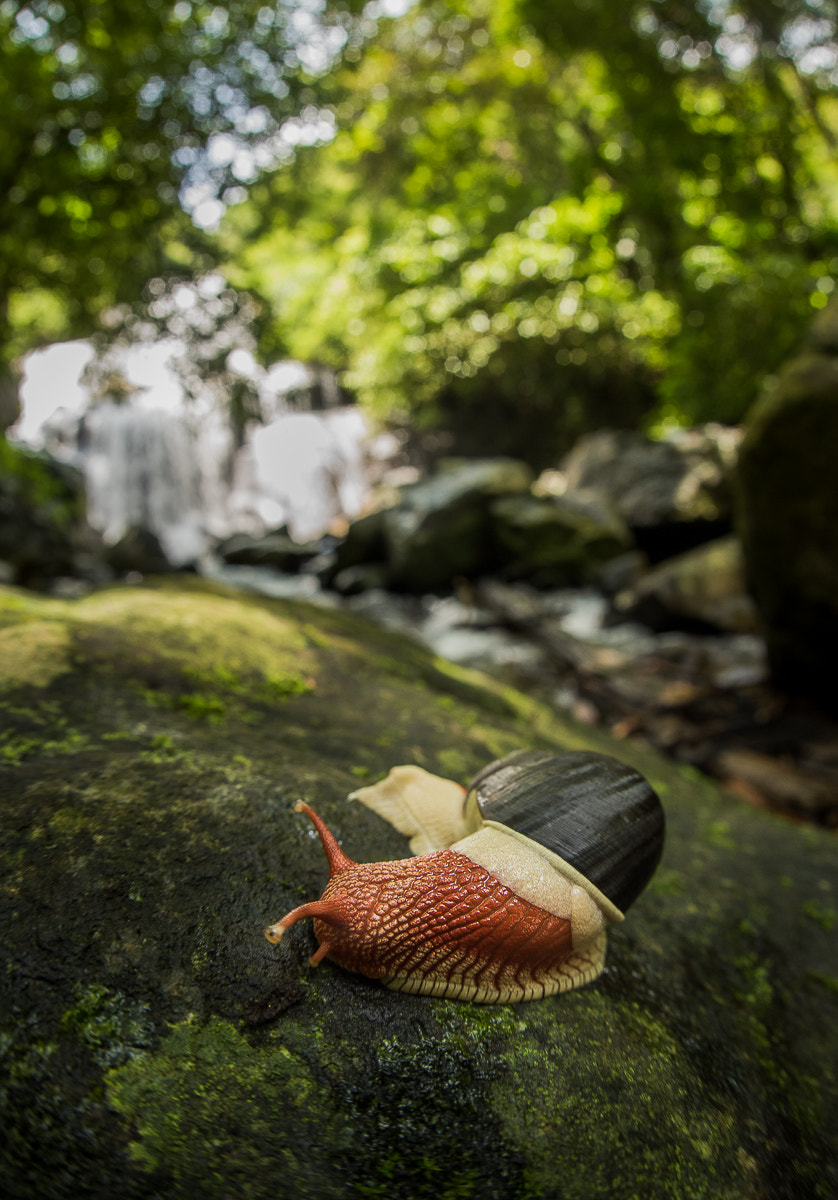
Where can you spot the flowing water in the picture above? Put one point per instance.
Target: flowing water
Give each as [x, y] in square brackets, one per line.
[153, 459]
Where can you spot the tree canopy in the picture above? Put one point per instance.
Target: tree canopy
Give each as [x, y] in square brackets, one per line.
[490, 214]
[607, 208]
[120, 116]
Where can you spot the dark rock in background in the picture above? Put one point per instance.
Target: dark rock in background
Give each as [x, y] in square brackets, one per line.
[619, 492]
[441, 528]
[705, 585]
[44, 534]
[673, 494]
[557, 541]
[788, 515]
[138, 550]
[9, 397]
[276, 550]
[365, 543]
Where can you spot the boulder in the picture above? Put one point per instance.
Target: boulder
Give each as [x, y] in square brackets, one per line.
[442, 528]
[152, 743]
[673, 494]
[354, 581]
[9, 397]
[276, 550]
[788, 515]
[705, 585]
[44, 533]
[365, 543]
[557, 541]
[138, 550]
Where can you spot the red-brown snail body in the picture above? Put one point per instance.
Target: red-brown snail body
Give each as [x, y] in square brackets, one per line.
[514, 884]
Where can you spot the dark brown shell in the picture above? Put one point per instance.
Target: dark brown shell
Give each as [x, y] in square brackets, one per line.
[592, 810]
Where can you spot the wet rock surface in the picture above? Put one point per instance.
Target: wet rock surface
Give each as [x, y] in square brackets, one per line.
[153, 741]
[9, 399]
[138, 550]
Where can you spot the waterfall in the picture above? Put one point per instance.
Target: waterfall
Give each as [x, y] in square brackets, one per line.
[153, 459]
[303, 470]
[141, 468]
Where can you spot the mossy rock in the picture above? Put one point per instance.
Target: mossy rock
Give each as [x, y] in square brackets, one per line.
[43, 528]
[558, 541]
[705, 585]
[788, 520]
[441, 529]
[9, 397]
[155, 1045]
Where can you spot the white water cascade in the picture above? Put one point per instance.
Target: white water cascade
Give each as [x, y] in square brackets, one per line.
[150, 458]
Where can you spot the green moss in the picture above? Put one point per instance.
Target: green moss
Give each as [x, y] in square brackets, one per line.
[165, 750]
[272, 685]
[35, 1112]
[221, 1117]
[825, 917]
[615, 1098]
[16, 750]
[830, 982]
[289, 683]
[34, 653]
[717, 834]
[210, 706]
[198, 706]
[219, 676]
[113, 1027]
[757, 991]
[30, 477]
[465, 1023]
[427, 1090]
[316, 636]
[212, 1109]
[667, 883]
[203, 707]
[470, 687]
[495, 743]
[454, 764]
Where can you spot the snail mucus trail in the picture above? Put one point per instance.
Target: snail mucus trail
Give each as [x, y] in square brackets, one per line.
[513, 886]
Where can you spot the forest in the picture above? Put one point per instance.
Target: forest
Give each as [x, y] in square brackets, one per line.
[537, 298]
[467, 209]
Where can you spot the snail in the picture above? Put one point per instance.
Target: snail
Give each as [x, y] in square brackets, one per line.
[514, 884]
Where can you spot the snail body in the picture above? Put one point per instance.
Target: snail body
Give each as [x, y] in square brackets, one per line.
[521, 875]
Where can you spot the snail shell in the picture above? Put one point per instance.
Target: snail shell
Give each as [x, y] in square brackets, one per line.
[603, 820]
[518, 878]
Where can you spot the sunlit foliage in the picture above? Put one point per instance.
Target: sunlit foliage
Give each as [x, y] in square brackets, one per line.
[574, 211]
[119, 115]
